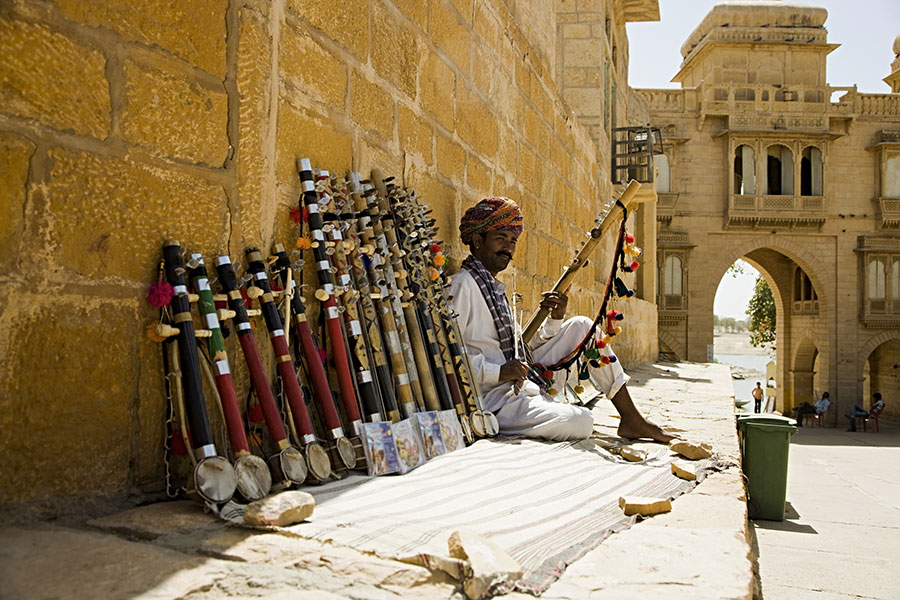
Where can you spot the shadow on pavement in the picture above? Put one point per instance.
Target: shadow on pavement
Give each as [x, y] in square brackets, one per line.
[887, 437]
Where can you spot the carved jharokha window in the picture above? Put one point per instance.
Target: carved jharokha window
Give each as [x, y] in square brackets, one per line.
[883, 284]
[811, 172]
[672, 284]
[744, 170]
[779, 171]
[805, 298]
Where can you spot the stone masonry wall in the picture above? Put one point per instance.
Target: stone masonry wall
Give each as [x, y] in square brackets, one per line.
[124, 124]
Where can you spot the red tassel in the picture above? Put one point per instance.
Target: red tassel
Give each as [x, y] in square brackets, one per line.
[247, 301]
[255, 413]
[435, 248]
[296, 215]
[160, 294]
[629, 238]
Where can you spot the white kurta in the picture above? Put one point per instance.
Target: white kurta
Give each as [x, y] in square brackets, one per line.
[529, 412]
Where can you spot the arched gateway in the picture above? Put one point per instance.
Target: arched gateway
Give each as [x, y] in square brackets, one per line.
[767, 161]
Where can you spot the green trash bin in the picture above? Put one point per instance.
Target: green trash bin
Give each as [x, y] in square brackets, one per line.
[765, 440]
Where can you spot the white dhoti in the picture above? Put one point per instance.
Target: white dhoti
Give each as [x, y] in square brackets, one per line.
[533, 413]
[529, 412]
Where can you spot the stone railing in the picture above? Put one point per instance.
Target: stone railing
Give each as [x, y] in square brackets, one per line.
[887, 211]
[879, 104]
[668, 100]
[776, 209]
[730, 98]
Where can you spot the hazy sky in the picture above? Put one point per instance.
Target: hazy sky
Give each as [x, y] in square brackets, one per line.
[865, 29]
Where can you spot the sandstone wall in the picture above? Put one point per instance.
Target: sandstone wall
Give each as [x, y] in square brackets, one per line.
[124, 124]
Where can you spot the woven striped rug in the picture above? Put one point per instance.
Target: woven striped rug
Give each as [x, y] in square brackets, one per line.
[546, 504]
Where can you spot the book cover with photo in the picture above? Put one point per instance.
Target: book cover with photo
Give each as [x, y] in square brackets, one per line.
[381, 452]
[451, 432]
[430, 433]
[409, 446]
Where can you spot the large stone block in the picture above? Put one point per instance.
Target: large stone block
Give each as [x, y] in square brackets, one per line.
[415, 134]
[15, 158]
[108, 217]
[344, 22]
[478, 176]
[487, 26]
[415, 10]
[37, 80]
[254, 162]
[476, 124]
[396, 50]
[301, 133]
[372, 107]
[70, 369]
[170, 115]
[450, 35]
[579, 52]
[194, 31]
[437, 87]
[450, 158]
[311, 68]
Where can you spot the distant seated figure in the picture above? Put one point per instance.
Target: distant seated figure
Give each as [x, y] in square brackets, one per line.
[820, 408]
[858, 411]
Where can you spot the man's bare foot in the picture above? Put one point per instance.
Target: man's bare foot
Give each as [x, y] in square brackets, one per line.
[633, 425]
[643, 429]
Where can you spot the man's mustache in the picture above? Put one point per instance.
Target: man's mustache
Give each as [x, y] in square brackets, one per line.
[505, 253]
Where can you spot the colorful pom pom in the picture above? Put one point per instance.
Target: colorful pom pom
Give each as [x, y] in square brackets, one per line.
[433, 274]
[579, 389]
[600, 344]
[151, 333]
[304, 243]
[612, 358]
[435, 248]
[629, 238]
[255, 413]
[296, 215]
[160, 294]
[439, 260]
[605, 360]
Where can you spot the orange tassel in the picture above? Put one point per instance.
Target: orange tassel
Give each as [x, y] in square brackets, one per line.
[304, 243]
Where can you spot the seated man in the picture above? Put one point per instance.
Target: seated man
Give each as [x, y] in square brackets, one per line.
[491, 229]
[858, 411]
[808, 409]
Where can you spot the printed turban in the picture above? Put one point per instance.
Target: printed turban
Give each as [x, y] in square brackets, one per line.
[491, 214]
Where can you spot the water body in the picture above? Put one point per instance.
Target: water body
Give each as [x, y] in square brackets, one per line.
[752, 366]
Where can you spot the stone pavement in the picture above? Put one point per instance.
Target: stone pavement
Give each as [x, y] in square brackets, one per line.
[701, 549]
[841, 536]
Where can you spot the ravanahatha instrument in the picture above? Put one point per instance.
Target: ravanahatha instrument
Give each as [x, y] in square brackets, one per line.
[213, 476]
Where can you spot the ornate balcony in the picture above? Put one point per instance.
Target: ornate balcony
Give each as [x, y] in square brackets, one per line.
[796, 212]
[887, 212]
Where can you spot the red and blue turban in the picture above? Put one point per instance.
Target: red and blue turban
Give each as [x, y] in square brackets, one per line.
[491, 214]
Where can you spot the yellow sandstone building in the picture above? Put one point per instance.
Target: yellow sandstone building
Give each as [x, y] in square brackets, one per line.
[766, 161]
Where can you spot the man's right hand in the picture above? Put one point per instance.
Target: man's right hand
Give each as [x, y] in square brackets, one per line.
[514, 370]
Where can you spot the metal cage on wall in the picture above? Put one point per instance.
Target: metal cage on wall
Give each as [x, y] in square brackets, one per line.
[633, 149]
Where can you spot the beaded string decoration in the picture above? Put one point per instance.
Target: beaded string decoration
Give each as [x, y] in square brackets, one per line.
[605, 326]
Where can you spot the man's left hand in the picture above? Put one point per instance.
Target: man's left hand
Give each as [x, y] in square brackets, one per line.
[556, 303]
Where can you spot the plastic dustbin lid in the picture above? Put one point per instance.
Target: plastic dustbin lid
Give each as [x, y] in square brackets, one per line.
[761, 419]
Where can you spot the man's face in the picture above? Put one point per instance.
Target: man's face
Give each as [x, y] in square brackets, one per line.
[495, 249]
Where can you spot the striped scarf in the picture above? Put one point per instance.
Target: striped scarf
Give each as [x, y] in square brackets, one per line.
[497, 303]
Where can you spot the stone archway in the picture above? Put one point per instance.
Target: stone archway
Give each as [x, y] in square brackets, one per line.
[802, 371]
[774, 257]
[880, 371]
